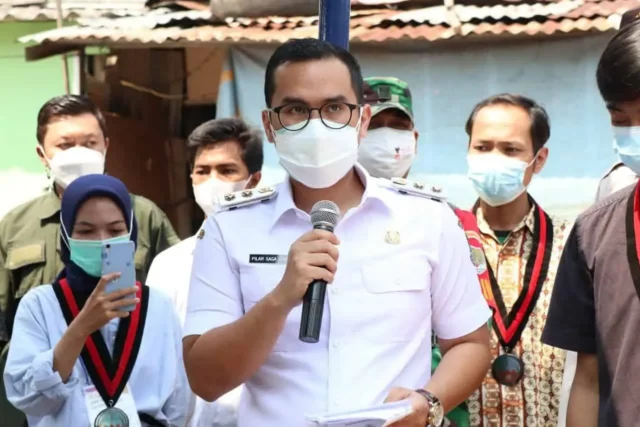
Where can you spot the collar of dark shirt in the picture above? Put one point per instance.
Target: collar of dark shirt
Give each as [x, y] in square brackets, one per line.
[49, 205]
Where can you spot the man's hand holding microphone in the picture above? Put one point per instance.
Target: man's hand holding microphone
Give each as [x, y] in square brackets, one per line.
[312, 264]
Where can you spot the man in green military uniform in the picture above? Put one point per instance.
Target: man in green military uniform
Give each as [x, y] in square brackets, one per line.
[388, 151]
[72, 141]
[391, 143]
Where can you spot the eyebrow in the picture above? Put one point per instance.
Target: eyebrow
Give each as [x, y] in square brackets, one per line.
[612, 106]
[294, 100]
[500, 141]
[89, 224]
[219, 165]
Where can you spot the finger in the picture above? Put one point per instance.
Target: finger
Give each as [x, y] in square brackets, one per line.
[321, 260]
[117, 305]
[104, 280]
[319, 235]
[396, 394]
[120, 293]
[116, 313]
[318, 273]
[321, 246]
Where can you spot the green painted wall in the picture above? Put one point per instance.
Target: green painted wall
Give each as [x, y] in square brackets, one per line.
[24, 87]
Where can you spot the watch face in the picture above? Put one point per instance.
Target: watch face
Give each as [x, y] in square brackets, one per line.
[436, 415]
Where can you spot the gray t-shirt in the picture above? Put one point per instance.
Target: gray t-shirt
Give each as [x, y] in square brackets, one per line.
[617, 178]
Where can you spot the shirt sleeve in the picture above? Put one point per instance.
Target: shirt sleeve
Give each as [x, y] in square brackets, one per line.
[571, 317]
[30, 382]
[459, 307]
[215, 298]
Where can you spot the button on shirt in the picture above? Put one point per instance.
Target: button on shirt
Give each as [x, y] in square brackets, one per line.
[387, 296]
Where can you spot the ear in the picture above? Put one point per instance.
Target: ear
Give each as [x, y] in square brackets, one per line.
[106, 146]
[40, 152]
[416, 134]
[541, 160]
[364, 121]
[266, 125]
[255, 180]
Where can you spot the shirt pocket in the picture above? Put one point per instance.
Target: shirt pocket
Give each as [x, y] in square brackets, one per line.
[397, 296]
[26, 263]
[256, 283]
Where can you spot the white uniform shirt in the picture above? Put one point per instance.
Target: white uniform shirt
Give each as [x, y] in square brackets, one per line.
[158, 382]
[170, 272]
[379, 312]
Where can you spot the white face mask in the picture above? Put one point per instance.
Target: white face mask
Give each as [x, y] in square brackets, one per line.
[207, 192]
[67, 165]
[318, 156]
[387, 152]
[497, 179]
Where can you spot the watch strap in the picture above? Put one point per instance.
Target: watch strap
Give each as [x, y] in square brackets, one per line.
[434, 402]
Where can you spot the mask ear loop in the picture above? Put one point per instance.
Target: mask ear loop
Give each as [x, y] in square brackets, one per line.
[130, 224]
[532, 162]
[64, 231]
[359, 124]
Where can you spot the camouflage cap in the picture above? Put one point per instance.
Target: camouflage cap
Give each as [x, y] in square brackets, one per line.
[383, 93]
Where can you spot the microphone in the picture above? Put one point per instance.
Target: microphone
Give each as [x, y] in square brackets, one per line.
[324, 216]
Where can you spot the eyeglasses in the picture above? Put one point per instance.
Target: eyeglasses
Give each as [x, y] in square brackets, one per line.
[334, 115]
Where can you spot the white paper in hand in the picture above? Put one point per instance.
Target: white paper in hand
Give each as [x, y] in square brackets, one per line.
[374, 416]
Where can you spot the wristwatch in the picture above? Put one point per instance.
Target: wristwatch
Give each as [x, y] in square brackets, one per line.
[436, 412]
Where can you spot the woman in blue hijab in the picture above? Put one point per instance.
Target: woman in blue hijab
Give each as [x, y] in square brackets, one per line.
[76, 357]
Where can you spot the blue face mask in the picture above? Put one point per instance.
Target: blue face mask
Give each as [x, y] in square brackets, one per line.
[626, 143]
[87, 254]
[497, 179]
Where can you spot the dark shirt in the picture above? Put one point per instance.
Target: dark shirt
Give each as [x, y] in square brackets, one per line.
[595, 308]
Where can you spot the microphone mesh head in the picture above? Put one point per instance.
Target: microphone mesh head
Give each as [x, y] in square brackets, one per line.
[325, 212]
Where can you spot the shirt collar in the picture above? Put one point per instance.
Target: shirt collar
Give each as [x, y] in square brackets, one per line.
[50, 206]
[284, 200]
[527, 222]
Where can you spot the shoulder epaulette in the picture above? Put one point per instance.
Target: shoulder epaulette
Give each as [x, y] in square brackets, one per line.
[243, 198]
[406, 186]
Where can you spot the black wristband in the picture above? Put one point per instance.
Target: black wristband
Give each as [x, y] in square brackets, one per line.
[424, 393]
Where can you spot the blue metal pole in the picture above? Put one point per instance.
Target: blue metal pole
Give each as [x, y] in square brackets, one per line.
[334, 22]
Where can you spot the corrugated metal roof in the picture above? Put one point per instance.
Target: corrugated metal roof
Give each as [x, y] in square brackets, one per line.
[45, 10]
[37, 13]
[367, 26]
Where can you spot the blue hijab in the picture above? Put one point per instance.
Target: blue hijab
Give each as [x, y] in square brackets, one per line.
[78, 192]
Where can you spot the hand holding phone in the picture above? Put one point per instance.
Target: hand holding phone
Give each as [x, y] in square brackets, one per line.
[119, 258]
[101, 307]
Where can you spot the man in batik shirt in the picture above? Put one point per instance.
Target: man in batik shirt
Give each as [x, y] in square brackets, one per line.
[522, 244]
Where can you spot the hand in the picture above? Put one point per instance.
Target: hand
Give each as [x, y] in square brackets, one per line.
[313, 256]
[420, 415]
[100, 308]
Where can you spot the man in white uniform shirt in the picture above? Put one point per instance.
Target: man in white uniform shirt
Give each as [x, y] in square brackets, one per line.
[225, 156]
[404, 270]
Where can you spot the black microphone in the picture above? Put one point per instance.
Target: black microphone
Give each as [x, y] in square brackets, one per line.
[324, 216]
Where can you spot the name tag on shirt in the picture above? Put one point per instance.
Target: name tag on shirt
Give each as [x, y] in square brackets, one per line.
[95, 405]
[267, 259]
